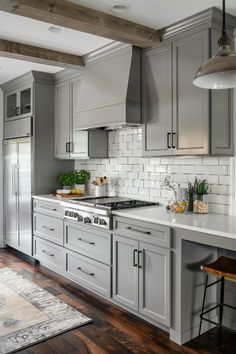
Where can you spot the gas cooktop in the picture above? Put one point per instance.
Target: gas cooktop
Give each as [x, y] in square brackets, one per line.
[113, 203]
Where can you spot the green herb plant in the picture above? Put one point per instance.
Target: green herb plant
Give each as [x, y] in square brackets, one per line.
[81, 177]
[200, 186]
[66, 179]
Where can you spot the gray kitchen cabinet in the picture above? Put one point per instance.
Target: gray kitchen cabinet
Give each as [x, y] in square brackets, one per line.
[141, 268]
[125, 274]
[71, 143]
[62, 114]
[154, 283]
[19, 128]
[18, 102]
[190, 103]
[179, 118]
[157, 101]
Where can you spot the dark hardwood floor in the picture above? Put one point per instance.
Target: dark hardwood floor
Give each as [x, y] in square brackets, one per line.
[113, 330]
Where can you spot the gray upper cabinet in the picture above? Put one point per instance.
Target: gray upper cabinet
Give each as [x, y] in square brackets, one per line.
[179, 118]
[71, 143]
[157, 101]
[190, 103]
[62, 122]
[19, 102]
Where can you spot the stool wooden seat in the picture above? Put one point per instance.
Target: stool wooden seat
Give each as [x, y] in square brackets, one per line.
[225, 269]
[222, 267]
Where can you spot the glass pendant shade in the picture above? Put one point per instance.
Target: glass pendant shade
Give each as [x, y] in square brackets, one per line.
[219, 72]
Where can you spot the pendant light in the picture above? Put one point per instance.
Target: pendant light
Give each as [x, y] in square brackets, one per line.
[219, 72]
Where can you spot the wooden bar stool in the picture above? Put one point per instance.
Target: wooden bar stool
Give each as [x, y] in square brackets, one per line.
[225, 268]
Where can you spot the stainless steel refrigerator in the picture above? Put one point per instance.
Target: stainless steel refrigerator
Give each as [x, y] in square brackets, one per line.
[18, 193]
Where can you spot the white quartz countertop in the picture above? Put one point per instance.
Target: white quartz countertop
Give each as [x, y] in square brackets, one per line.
[214, 224]
[54, 198]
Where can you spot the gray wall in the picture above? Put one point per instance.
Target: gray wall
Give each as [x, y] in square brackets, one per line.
[1, 169]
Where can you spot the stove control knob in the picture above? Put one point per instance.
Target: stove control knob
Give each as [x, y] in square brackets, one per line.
[80, 218]
[71, 214]
[76, 215]
[67, 213]
[96, 220]
[87, 220]
[102, 222]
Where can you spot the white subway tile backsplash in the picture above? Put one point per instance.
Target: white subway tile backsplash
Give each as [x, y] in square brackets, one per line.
[134, 176]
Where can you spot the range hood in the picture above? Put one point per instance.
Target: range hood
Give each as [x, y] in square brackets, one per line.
[110, 89]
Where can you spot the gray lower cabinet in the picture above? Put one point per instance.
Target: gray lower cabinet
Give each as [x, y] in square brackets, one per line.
[89, 273]
[141, 278]
[88, 241]
[125, 274]
[179, 118]
[50, 254]
[48, 227]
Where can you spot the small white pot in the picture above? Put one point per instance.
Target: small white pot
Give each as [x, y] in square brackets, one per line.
[81, 187]
[67, 188]
[100, 191]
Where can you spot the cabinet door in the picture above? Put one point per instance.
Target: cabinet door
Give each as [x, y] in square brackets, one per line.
[157, 101]
[11, 105]
[79, 139]
[190, 103]
[62, 120]
[154, 283]
[125, 271]
[26, 100]
[221, 113]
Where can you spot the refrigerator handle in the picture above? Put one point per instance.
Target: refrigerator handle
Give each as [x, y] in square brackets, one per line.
[14, 180]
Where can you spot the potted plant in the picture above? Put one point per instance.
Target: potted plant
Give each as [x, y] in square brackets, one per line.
[66, 180]
[200, 206]
[80, 179]
[190, 193]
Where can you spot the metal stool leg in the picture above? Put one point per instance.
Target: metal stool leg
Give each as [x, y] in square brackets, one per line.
[203, 305]
[222, 292]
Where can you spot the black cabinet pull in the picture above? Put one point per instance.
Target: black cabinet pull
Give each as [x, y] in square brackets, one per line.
[168, 141]
[70, 146]
[135, 264]
[48, 254]
[139, 265]
[67, 147]
[86, 272]
[173, 140]
[85, 241]
[140, 231]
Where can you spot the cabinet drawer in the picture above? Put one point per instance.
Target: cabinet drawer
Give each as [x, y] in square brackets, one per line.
[89, 242]
[48, 208]
[50, 255]
[87, 272]
[49, 228]
[156, 234]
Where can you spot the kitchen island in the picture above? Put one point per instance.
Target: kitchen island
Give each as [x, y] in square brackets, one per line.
[172, 248]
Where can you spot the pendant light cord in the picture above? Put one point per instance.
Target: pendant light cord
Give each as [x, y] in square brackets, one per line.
[223, 20]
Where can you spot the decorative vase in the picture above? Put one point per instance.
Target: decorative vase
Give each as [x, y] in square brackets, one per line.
[200, 205]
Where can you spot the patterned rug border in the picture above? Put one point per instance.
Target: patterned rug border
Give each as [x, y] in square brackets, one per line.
[45, 308]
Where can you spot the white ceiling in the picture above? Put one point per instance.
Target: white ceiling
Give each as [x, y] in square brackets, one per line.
[158, 13]
[152, 13]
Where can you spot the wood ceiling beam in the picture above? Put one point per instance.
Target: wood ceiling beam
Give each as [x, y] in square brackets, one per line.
[39, 55]
[66, 14]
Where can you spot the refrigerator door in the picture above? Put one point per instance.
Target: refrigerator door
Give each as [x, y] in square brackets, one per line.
[11, 193]
[24, 195]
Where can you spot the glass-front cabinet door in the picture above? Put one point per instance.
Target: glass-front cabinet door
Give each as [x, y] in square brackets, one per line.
[19, 103]
[11, 105]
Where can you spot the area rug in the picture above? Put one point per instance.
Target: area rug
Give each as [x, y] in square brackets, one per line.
[29, 314]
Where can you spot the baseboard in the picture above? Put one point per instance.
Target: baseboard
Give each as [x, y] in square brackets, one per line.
[184, 337]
